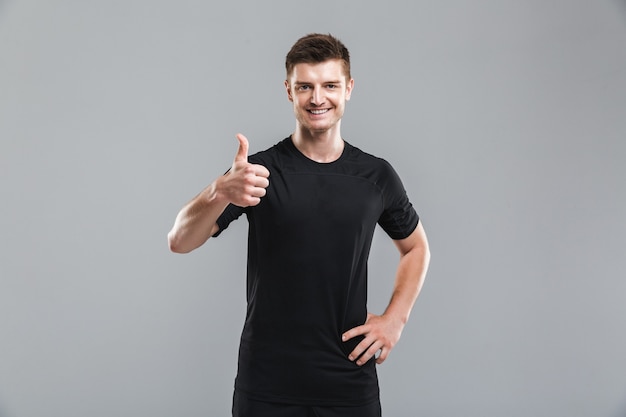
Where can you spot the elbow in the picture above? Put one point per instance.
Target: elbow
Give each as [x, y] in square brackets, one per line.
[174, 243]
[182, 240]
[427, 253]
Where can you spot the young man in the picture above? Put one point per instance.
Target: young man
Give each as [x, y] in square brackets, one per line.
[309, 346]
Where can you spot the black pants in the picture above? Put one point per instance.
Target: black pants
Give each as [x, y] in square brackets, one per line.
[246, 407]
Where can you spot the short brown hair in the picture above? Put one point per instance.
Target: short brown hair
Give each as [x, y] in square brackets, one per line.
[315, 48]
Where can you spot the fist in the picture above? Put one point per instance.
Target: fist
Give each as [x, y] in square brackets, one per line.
[245, 184]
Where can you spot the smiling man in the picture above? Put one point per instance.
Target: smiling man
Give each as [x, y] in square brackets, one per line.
[309, 347]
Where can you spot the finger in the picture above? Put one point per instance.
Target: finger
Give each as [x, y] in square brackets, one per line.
[354, 332]
[260, 171]
[261, 182]
[369, 353]
[360, 348]
[252, 201]
[242, 152]
[358, 330]
[383, 355]
[257, 192]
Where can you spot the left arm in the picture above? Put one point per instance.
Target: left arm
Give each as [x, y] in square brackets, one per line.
[383, 332]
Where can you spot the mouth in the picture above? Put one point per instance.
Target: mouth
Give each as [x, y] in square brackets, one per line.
[318, 111]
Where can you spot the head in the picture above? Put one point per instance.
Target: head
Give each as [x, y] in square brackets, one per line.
[318, 83]
[316, 48]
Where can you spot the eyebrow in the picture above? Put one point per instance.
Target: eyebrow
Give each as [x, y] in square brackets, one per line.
[324, 82]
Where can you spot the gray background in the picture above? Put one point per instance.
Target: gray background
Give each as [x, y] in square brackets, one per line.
[505, 119]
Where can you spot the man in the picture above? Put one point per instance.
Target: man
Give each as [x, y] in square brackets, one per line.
[309, 346]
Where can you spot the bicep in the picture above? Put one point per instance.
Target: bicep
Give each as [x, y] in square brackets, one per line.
[417, 240]
[214, 229]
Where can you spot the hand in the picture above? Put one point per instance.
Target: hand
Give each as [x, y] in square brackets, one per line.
[381, 334]
[244, 184]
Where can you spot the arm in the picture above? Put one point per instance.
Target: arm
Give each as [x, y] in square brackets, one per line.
[383, 332]
[243, 185]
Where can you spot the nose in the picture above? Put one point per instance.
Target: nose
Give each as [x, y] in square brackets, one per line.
[317, 96]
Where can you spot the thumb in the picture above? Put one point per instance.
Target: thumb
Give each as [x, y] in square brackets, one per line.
[242, 152]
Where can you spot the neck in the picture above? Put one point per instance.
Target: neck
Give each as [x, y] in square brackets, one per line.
[321, 147]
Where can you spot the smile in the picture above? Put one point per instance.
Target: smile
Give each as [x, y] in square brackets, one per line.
[321, 111]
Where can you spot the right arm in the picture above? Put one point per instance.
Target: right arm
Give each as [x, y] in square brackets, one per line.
[243, 185]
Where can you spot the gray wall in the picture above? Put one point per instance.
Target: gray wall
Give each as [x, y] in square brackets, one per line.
[505, 119]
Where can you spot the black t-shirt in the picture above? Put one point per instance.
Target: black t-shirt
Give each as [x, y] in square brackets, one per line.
[308, 244]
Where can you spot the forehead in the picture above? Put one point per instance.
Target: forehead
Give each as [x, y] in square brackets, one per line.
[331, 70]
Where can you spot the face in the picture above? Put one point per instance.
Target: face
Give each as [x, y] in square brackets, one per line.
[319, 93]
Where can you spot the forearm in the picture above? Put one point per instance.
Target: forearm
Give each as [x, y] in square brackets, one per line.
[383, 332]
[196, 221]
[243, 185]
[410, 276]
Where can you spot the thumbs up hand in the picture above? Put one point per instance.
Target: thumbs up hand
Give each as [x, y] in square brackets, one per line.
[245, 183]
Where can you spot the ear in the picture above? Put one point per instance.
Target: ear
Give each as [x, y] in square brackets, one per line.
[288, 88]
[349, 87]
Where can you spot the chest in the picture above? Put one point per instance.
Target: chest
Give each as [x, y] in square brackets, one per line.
[320, 203]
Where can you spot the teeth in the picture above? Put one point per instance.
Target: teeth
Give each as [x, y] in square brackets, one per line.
[318, 111]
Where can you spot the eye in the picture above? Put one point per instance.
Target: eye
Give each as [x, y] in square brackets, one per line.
[331, 86]
[303, 87]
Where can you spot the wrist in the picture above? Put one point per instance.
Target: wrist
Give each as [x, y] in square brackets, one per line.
[214, 194]
[397, 316]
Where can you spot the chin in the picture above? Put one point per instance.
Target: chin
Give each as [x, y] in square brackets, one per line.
[319, 130]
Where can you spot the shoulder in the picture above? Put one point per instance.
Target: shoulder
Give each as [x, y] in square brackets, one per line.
[375, 169]
[367, 160]
[271, 155]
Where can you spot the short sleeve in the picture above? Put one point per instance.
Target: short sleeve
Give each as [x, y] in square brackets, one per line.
[230, 214]
[233, 212]
[399, 218]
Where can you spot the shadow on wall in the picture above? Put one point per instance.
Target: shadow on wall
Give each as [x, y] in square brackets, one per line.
[622, 5]
[4, 6]
[620, 413]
